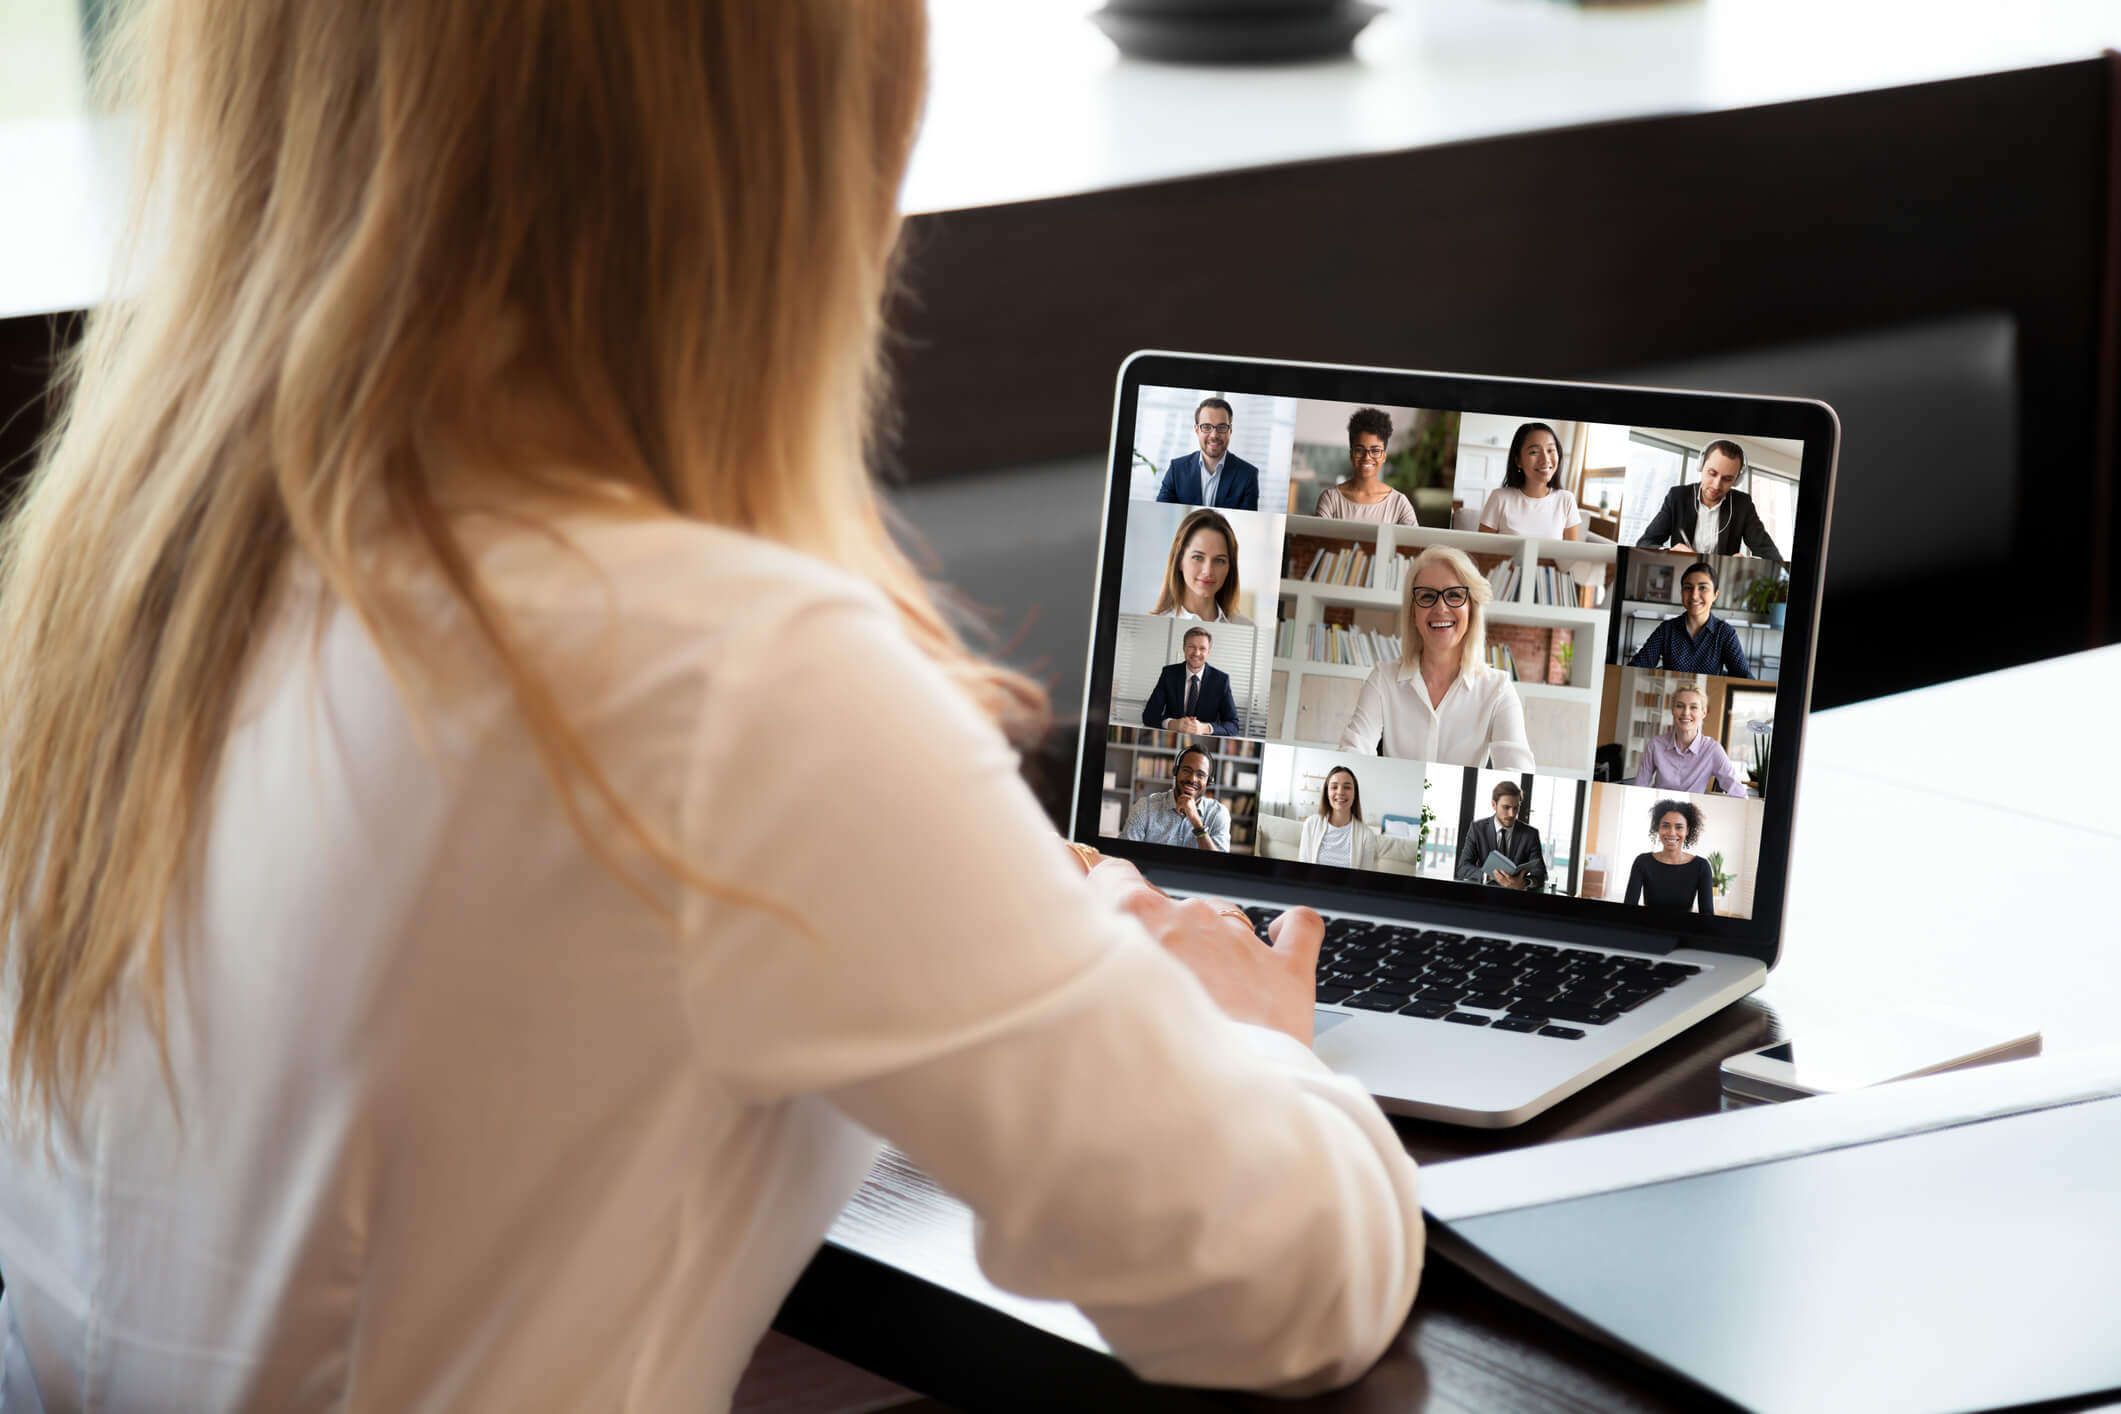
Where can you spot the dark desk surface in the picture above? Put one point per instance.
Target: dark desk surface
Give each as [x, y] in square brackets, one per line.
[1960, 914]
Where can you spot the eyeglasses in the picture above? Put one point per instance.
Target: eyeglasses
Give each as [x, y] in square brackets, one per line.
[1455, 597]
[1204, 428]
[1367, 454]
[1195, 775]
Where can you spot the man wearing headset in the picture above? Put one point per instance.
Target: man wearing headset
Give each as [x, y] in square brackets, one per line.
[1709, 517]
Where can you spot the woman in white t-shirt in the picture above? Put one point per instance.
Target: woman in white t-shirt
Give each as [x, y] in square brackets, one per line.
[1441, 701]
[1200, 577]
[496, 832]
[1528, 502]
[1337, 834]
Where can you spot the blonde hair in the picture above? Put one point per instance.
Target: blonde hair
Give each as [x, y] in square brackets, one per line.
[1173, 595]
[401, 239]
[1473, 649]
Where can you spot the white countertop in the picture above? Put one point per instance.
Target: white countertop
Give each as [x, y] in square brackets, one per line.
[1028, 100]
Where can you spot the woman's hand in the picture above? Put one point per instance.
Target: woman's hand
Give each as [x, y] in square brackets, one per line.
[1269, 986]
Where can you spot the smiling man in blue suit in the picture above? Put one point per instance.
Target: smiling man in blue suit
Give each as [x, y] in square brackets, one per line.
[1191, 696]
[1211, 476]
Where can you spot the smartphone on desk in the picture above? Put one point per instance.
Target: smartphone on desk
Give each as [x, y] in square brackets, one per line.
[1872, 1051]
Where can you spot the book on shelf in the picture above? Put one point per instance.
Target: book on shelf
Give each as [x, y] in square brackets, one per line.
[1499, 656]
[1554, 585]
[1503, 579]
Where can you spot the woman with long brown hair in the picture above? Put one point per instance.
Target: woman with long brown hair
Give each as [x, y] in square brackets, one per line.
[1200, 574]
[492, 823]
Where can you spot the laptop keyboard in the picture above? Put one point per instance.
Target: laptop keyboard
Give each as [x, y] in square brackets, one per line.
[1469, 980]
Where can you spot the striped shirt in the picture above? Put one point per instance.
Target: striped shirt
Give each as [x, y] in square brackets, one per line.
[1715, 650]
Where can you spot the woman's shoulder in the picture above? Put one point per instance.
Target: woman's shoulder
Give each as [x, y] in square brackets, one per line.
[664, 574]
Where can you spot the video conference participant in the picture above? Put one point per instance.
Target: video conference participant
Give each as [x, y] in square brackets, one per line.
[1683, 757]
[1695, 641]
[1200, 577]
[1441, 701]
[1669, 877]
[1191, 696]
[1182, 815]
[1364, 495]
[1708, 517]
[1337, 834]
[1504, 832]
[1211, 476]
[1528, 502]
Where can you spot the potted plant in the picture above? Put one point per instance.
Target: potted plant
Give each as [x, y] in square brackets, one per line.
[1769, 596]
[1763, 750]
[1716, 869]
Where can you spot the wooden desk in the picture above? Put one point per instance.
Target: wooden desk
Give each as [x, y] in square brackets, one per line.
[1986, 878]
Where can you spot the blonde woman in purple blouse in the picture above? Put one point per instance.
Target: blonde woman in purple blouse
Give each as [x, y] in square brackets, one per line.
[1682, 757]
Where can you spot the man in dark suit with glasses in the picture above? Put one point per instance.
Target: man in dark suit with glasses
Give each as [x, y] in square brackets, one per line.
[1212, 476]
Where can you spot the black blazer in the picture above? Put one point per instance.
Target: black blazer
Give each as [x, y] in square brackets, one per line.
[1524, 849]
[1741, 525]
[1217, 705]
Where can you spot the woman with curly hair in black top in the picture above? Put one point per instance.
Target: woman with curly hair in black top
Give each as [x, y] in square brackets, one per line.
[1670, 877]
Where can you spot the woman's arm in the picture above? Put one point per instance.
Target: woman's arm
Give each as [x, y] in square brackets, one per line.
[960, 977]
[1636, 878]
[1734, 664]
[1313, 837]
[1574, 529]
[1367, 723]
[1509, 745]
[1705, 887]
[1652, 647]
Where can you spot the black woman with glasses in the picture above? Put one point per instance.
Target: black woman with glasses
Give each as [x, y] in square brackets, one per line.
[1440, 701]
[1364, 495]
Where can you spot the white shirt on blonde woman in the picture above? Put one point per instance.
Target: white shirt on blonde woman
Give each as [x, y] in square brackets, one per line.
[467, 1122]
[1511, 512]
[1479, 721]
[1357, 841]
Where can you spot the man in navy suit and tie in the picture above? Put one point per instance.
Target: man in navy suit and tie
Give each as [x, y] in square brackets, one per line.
[1191, 696]
[1211, 476]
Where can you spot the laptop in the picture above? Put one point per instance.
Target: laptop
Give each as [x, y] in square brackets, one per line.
[1364, 636]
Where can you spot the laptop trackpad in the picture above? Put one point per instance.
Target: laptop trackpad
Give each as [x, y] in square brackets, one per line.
[1323, 1021]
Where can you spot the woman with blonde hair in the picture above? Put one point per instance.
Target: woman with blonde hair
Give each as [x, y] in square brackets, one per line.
[1200, 577]
[430, 979]
[1336, 833]
[1441, 701]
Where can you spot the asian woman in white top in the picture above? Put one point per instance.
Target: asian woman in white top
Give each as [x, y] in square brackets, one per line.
[424, 650]
[1200, 577]
[1528, 502]
[1441, 701]
[1336, 833]
[1364, 495]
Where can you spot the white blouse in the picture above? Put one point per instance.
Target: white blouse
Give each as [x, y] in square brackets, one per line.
[467, 1122]
[1181, 612]
[1480, 720]
[1511, 512]
[1356, 843]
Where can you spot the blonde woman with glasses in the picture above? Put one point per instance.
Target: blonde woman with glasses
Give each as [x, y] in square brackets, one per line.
[432, 981]
[1441, 701]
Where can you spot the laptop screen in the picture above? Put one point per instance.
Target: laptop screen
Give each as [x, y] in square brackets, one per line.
[1526, 655]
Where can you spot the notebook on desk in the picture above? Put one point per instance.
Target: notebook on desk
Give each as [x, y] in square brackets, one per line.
[1945, 1243]
[1288, 550]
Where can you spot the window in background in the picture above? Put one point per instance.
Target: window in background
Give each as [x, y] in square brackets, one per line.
[1655, 466]
[1775, 497]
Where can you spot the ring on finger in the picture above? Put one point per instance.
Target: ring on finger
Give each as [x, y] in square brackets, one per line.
[1231, 910]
